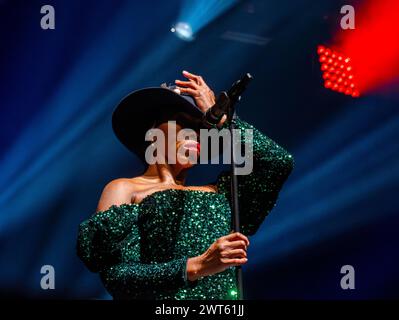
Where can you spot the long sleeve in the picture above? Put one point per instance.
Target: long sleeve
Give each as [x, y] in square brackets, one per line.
[109, 243]
[103, 237]
[258, 191]
[135, 280]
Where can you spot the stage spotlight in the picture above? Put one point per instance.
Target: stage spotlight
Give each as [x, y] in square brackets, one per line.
[335, 77]
[183, 30]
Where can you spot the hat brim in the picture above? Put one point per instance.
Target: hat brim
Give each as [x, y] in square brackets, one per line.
[139, 110]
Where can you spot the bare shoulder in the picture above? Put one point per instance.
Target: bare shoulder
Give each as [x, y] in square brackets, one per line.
[117, 192]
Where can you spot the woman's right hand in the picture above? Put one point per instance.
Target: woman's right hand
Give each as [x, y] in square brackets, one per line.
[225, 252]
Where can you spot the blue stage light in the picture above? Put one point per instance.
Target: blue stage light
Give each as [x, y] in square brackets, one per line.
[183, 30]
[195, 15]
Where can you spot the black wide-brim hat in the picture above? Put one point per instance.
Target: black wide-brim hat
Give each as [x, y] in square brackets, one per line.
[142, 109]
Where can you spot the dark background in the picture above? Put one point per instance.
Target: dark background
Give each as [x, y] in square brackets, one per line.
[57, 150]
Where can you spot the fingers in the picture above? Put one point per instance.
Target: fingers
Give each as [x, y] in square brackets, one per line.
[236, 236]
[190, 84]
[196, 78]
[239, 244]
[234, 262]
[236, 253]
[189, 91]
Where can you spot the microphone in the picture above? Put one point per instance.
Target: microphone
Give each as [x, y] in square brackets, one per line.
[239, 87]
[226, 101]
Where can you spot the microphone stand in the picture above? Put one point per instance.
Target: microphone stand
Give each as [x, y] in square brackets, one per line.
[234, 95]
[225, 104]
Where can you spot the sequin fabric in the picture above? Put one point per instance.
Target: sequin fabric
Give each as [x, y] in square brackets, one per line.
[141, 250]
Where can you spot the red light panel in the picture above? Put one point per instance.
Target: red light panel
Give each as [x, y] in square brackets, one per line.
[336, 67]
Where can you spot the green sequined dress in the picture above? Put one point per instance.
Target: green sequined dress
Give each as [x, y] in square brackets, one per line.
[141, 250]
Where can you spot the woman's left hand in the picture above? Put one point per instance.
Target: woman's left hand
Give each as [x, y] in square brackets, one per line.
[198, 89]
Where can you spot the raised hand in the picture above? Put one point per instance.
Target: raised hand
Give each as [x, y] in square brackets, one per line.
[198, 89]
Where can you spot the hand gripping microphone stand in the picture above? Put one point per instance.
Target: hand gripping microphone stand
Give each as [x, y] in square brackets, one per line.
[225, 104]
